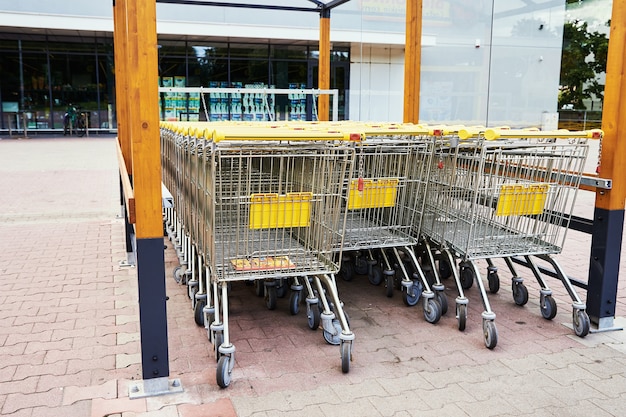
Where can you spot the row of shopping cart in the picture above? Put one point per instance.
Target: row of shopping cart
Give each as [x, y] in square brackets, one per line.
[297, 204]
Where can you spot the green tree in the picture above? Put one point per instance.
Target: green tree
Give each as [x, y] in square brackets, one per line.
[583, 58]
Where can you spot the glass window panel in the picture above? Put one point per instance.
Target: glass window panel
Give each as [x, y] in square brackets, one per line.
[74, 82]
[284, 73]
[249, 50]
[103, 115]
[212, 50]
[288, 52]
[202, 70]
[249, 72]
[36, 90]
[9, 82]
[172, 48]
[172, 67]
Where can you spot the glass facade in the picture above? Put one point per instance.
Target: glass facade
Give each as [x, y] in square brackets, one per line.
[40, 77]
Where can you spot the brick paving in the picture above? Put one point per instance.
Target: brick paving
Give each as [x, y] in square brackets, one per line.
[69, 330]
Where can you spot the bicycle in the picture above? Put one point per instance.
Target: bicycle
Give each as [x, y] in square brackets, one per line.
[75, 121]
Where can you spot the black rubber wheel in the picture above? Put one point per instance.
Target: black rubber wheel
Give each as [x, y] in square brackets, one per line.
[198, 312]
[360, 266]
[178, 274]
[346, 355]
[441, 298]
[462, 316]
[491, 334]
[333, 339]
[259, 288]
[445, 270]
[313, 316]
[219, 339]
[376, 276]
[582, 323]
[432, 311]
[548, 307]
[389, 283]
[494, 282]
[411, 295]
[346, 272]
[223, 374]
[467, 277]
[294, 302]
[281, 288]
[520, 293]
[270, 297]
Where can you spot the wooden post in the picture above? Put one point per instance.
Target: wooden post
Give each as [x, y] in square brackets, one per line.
[324, 66]
[412, 61]
[136, 63]
[143, 96]
[121, 83]
[608, 222]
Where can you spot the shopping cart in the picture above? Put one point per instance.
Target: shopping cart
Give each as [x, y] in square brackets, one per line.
[264, 202]
[385, 202]
[497, 193]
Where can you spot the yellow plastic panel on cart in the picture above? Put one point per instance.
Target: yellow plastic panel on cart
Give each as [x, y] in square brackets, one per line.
[522, 199]
[271, 210]
[374, 193]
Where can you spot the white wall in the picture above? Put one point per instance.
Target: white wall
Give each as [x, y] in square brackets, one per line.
[376, 83]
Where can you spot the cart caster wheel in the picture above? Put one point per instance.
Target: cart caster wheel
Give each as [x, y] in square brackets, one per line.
[218, 339]
[313, 316]
[494, 282]
[259, 288]
[346, 355]
[548, 307]
[432, 311]
[347, 271]
[443, 301]
[178, 274]
[389, 283]
[581, 323]
[294, 303]
[461, 316]
[210, 318]
[224, 372]
[376, 276]
[520, 293]
[467, 277]
[411, 295]
[491, 334]
[360, 266]
[445, 270]
[333, 339]
[281, 289]
[270, 297]
[198, 312]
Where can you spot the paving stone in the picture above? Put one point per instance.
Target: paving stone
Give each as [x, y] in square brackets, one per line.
[219, 408]
[103, 407]
[73, 394]
[18, 401]
[446, 410]
[497, 405]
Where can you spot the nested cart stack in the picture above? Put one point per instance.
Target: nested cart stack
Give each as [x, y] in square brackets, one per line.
[502, 193]
[264, 204]
[385, 203]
